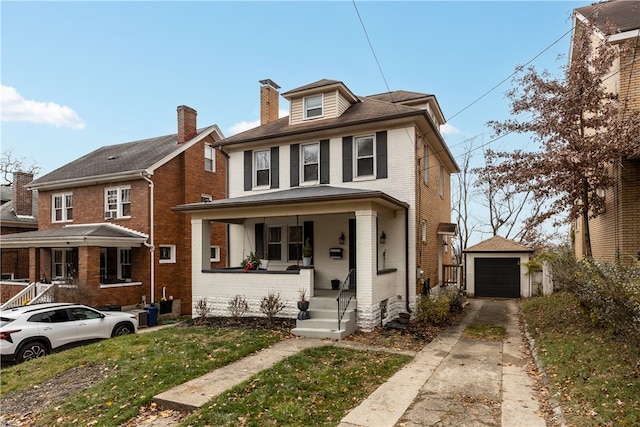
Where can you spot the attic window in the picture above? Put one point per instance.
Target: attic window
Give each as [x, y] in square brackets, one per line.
[313, 107]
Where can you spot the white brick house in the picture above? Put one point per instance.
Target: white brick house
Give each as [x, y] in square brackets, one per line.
[365, 179]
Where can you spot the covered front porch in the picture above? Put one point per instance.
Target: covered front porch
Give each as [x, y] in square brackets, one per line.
[358, 240]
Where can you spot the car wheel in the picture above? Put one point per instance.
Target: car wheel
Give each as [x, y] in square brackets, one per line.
[122, 330]
[32, 350]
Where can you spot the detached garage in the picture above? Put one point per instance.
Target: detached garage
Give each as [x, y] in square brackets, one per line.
[496, 268]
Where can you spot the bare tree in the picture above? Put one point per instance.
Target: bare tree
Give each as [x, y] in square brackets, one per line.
[462, 199]
[582, 131]
[10, 164]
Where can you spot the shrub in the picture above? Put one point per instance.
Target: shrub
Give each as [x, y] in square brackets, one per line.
[271, 305]
[433, 309]
[456, 299]
[238, 306]
[202, 309]
[609, 294]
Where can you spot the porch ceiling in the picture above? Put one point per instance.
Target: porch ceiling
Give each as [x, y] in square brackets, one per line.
[322, 199]
[103, 234]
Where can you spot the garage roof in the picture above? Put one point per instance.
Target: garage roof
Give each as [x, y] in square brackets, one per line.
[498, 244]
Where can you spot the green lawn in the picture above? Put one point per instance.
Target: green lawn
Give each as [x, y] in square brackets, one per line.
[318, 385]
[594, 375]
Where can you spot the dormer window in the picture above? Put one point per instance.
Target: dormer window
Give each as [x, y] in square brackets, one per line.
[313, 106]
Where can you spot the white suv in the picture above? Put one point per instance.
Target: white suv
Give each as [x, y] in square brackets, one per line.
[36, 330]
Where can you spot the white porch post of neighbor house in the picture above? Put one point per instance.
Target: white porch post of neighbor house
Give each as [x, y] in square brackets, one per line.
[366, 266]
[201, 247]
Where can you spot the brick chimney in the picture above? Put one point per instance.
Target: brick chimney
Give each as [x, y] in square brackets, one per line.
[268, 101]
[22, 197]
[186, 123]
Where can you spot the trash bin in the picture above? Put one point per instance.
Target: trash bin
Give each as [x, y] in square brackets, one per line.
[152, 316]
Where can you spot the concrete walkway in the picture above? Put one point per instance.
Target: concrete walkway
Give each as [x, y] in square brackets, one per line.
[452, 381]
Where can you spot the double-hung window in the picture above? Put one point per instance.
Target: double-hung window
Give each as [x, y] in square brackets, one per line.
[124, 264]
[310, 162]
[274, 244]
[365, 155]
[313, 107]
[295, 243]
[117, 202]
[62, 263]
[262, 160]
[62, 207]
[209, 158]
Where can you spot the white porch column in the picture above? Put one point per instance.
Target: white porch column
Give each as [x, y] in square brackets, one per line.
[201, 245]
[366, 258]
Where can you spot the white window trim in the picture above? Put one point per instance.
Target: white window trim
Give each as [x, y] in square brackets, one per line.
[373, 175]
[172, 259]
[206, 198]
[63, 208]
[119, 203]
[283, 253]
[216, 257]
[208, 149]
[255, 169]
[284, 243]
[302, 164]
[64, 253]
[305, 109]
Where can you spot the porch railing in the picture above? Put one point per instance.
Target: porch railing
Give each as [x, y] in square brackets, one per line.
[346, 294]
[451, 273]
[33, 294]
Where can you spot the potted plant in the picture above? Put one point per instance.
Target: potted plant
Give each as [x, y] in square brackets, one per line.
[307, 252]
[303, 305]
[251, 262]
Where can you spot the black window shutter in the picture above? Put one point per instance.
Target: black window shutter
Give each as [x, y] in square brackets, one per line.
[248, 172]
[347, 158]
[295, 165]
[324, 161]
[381, 154]
[275, 167]
[259, 229]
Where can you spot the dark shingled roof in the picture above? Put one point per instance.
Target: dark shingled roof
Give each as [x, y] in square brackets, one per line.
[369, 110]
[113, 159]
[623, 14]
[317, 193]
[399, 96]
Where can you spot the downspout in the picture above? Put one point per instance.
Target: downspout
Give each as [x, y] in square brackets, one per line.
[406, 257]
[151, 244]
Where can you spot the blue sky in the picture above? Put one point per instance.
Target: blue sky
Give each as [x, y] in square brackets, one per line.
[80, 75]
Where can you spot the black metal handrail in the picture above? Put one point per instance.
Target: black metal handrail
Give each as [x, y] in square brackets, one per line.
[346, 294]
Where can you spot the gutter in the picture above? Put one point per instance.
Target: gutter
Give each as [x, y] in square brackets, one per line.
[151, 244]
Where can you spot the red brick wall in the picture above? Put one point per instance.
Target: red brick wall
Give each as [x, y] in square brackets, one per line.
[181, 180]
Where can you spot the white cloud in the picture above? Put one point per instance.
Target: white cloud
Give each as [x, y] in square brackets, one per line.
[447, 129]
[242, 126]
[15, 108]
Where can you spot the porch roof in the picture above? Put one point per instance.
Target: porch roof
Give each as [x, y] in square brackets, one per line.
[319, 198]
[103, 234]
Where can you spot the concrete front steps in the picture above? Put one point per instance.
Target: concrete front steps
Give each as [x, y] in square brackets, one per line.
[323, 318]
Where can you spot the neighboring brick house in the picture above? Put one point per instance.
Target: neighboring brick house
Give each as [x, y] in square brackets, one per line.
[105, 219]
[18, 214]
[615, 232]
[366, 180]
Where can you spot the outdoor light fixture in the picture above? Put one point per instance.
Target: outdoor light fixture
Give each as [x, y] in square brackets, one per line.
[444, 243]
[341, 239]
[383, 238]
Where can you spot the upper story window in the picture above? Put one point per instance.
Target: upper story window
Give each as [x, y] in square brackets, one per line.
[262, 161]
[62, 207]
[313, 106]
[365, 155]
[117, 202]
[209, 158]
[310, 162]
